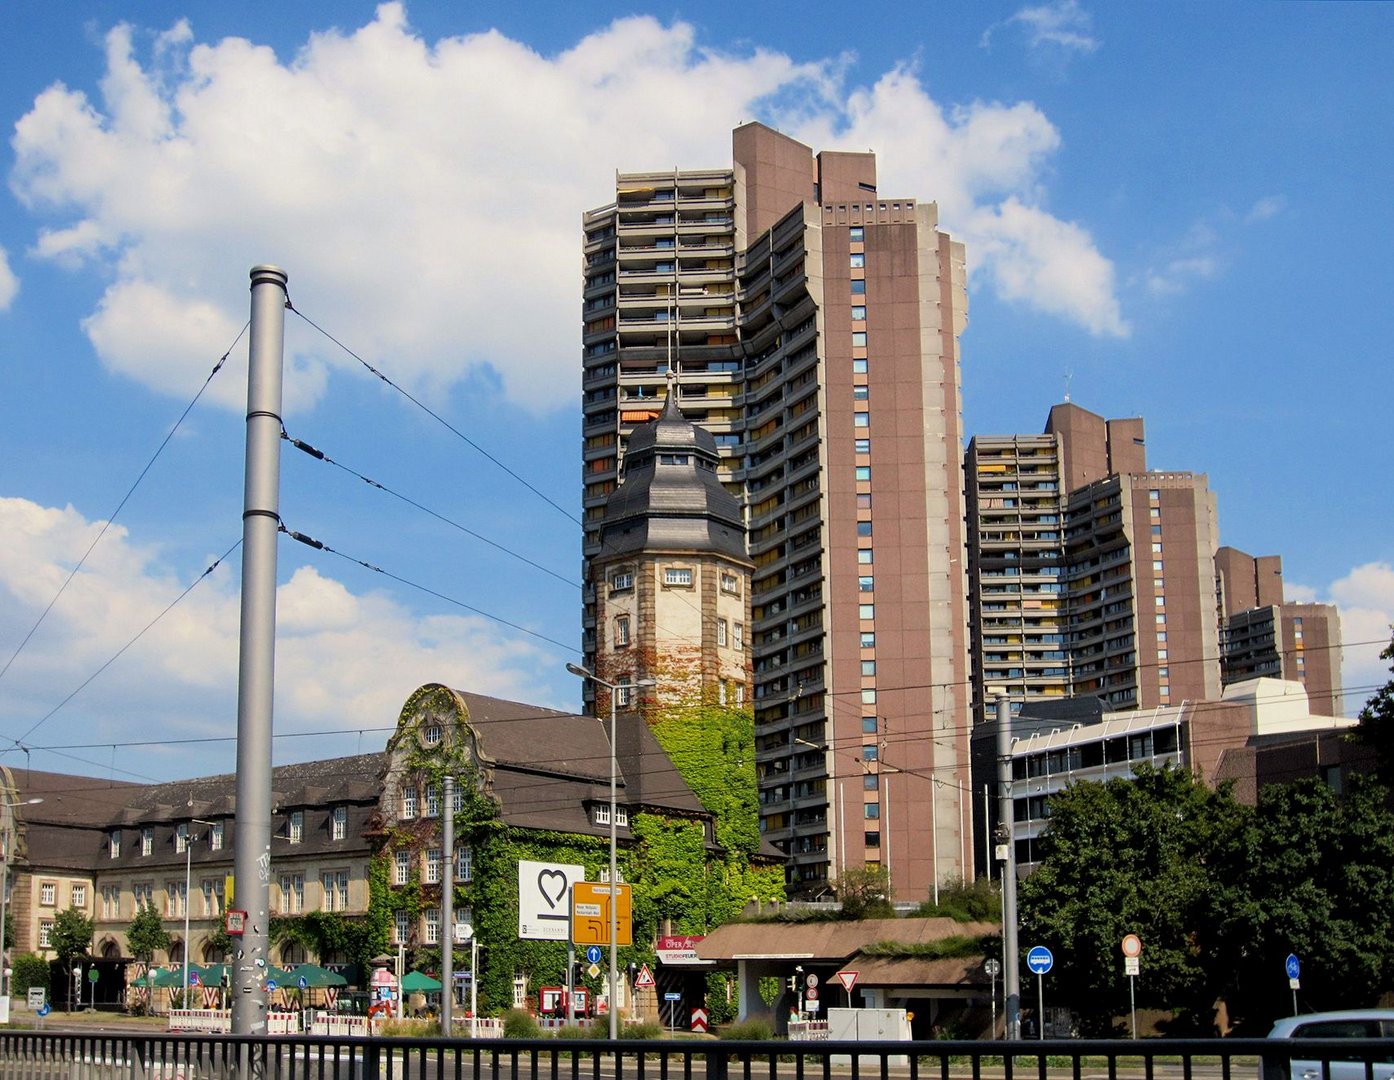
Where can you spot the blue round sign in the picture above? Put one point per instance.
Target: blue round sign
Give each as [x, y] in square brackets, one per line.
[44, 1010]
[1294, 966]
[593, 954]
[302, 982]
[1039, 960]
[271, 984]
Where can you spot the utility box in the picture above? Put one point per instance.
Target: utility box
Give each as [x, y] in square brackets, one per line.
[868, 1025]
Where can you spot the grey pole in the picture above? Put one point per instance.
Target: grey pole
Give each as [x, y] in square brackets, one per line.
[256, 671]
[1011, 973]
[613, 1009]
[447, 907]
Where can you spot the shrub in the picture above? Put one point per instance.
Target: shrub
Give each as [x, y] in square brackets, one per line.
[748, 1031]
[520, 1024]
[408, 1028]
[28, 969]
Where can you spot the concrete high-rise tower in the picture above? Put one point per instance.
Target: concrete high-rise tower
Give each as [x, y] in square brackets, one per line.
[811, 326]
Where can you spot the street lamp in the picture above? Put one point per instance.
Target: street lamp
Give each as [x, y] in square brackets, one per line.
[5, 889]
[614, 689]
[188, 869]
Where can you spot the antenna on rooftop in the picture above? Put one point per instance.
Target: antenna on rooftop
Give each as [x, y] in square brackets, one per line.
[1069, 377]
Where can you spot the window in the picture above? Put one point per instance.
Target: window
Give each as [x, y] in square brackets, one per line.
[730, 584]
[869, 753]
[335, 883]
[621, 580]
[859, 367]
[45, 929]
[622, 632]
[433, 734]
[856, 234]
[866, 611]
[868, 640]
[863, 528]
[144, 894]
[113, 844]
[403, 867]
[677, 575]
[457, 798]
[48, 894]
[1156, 547]
[862, 446]
[861, 393]
[433, 866]
[738, 637]
[858, 312]
[861, 419]
[622, 815]
[873, 839]
[864, 473]
[215, 836]
[432, 926]
[864, 556]
[464, 863]
[624, 693]
[175, 898]
[295, 824]
[292, 893]
[409, 801]
[147, 840]
[602, 813]
[400, 926]
[181, 838]
[338, 823]
[858, 260]
[868, 697]
[111, 902]
[868, 667]
[721, 632]
[432, 799]
[871, 811]
[1157, 565]
[859, 339]
[79, 896]
[212, 896]
[866, 583]
[858, 287]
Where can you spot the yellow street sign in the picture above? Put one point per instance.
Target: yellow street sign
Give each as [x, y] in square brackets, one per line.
[590, 914]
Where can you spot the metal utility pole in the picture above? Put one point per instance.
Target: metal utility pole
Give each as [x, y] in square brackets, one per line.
[1006, 854]
[447, 906]
[261, 521]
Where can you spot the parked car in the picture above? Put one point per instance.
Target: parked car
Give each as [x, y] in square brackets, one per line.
[1346, 1062]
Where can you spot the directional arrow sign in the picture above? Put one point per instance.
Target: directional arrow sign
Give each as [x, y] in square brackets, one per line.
[1039, 960]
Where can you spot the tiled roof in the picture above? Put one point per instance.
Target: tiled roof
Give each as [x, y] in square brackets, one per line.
[828, 942]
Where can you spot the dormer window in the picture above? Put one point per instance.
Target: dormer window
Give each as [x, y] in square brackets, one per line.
[113, 844]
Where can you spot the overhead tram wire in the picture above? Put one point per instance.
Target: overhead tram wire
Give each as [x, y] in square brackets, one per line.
[319, 455]
[19, 742]
[310, 541]
[111, 518]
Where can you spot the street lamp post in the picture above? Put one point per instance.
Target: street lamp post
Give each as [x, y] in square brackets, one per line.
[614, 688]
[5, 889]
[188, 887]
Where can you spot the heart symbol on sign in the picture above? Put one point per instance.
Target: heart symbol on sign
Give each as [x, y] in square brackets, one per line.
[559, 878]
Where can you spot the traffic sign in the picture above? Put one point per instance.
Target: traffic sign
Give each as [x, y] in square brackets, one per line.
[44, 1009]
[1294, 966]
[810, 980]
[193, 977]
[590, 913]
[593, 954]
[1132, 945]
[811, 994]
[1039, 960]
[645, 979]
[302, 982]
[672, 996]
[593, 971]
[848, 979]
[1132, 965]
[37, 996]
[271, 984]
[992, 966]
[93, 975]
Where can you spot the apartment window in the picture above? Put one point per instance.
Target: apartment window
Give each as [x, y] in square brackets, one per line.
[856, 234]
[868, 640]
[861, 393]
[864, 500]
[1154, 495]
[147, 840]
[400, 927]
[464, 863]
[211, 905]
[730, 584]
[338, 823]
[864, 556]
[111, 902]
[335, 884]
[866, 611]
[864, 473]
[861, 419]
[45, 930]
[858, 312]
[738, 637]
[740, 691]
[457, 798]
[858, 260]
[721, 692]
[859, 339]
[48, 894]
[1161, 620]
[1161, 636]
[175, 898]
[432, 926]
[432, 799]
[866, 583]
[409, 801]
[858, 287]
[602, 814]
[868, 667]
[433, 734]
[1154, 512]
[721, 632]
[144, 894]
[1157, 565]
[292, 893]
[433, 866]
[295, 826]
[677, 575]
[113, 844]
[859, 367]
[863, 528]
[622, 632]
[873, 839]
[868, 697]
[79, 894]
[623, 692]
[1156, 547]
[215, 836]
[871, 811]
[403, 867]
[621, 581]
[869, 752]
[181, 838]
[862, 446]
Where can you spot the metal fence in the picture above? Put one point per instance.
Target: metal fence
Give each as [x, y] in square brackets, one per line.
[95, 1056]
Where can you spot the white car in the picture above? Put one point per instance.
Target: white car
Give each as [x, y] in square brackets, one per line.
[1345, 1063]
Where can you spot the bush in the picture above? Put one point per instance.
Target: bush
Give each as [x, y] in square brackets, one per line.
[409, 1028]
[646, 1030]
[748, 1031]
[520, 1024]
[28, 969]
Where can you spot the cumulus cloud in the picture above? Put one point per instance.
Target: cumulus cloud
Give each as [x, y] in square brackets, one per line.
[180, 679]
[1365, 599]
[9, 284]
[429, 214]
[1064, 25]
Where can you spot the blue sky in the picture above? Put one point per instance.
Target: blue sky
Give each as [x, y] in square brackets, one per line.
[1173, 210]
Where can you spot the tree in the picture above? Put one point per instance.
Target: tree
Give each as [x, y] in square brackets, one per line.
[28, 969]
[865, 893]
[71, 936]
[1133, 856]
[1376, 728]
[146, 934]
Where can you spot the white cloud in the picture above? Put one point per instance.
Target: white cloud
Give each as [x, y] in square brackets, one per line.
[1267, 207]
[428, 213]
[180, 679]
[9, 284]
[1063, 25]
[1365, 599]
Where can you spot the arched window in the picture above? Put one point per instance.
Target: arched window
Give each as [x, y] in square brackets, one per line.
[111, 950]
[292, 955]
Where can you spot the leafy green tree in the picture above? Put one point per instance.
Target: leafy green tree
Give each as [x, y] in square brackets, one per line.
[71, 936]
[146, 934]
[865, 893]
[28, 969]
[1133, 856]
[1376, 728]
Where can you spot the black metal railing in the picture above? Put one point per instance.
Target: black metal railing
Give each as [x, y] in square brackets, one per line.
[57, 1055]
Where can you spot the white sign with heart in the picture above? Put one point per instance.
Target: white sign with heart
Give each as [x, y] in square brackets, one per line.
[544, 899]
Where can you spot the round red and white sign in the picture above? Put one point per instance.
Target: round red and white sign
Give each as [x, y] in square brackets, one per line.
[1132, 945]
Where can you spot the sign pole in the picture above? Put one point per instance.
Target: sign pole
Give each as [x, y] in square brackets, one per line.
[1040, 1004]
[1132, 1001]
